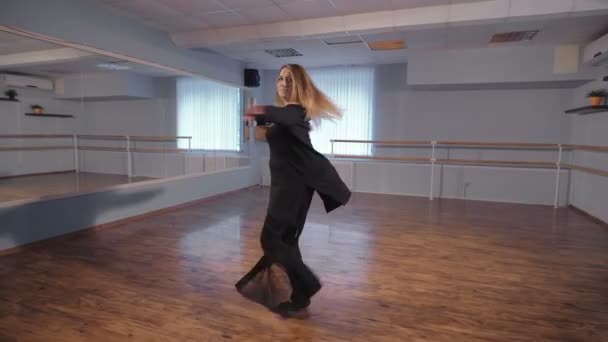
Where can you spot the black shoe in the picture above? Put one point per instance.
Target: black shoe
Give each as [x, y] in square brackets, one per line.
[300, 302]
[290, 310]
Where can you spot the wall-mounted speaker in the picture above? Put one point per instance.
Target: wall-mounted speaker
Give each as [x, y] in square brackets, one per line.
[252, 78]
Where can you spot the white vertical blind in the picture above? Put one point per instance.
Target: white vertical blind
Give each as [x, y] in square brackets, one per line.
[210, 112]
[351, 89]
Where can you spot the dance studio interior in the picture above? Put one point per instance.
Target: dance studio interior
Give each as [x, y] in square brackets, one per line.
[134, 188]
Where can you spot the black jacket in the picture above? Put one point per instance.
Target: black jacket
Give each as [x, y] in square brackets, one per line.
[293, 158]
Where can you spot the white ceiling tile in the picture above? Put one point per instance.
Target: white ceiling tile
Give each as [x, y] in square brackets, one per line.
[280, 30]
[223, 19]
[246, 4]
[323, 27]
[399, 4]
[421, 16]
[366, 21]
[519, 8]
[182, 23]
[358, 6]
[486, 11]
[266, 14]
[145, 9]
[192, 7]
[308, 9]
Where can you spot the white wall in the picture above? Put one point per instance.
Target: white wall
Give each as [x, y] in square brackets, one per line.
[507, 115]
[14, 121]
[490, 66]
[590, 192]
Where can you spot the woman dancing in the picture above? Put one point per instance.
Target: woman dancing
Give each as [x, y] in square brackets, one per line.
[297, 170]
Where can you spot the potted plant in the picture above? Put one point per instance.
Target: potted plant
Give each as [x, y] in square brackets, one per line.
[37, 109]
[11, 94]
[596, 96]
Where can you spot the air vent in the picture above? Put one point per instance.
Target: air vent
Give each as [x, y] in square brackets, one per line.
[342, 40]
[511, 37]
[284, 53]
[386, 45]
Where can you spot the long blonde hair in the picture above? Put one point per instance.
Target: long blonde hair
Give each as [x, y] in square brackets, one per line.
[304, 92]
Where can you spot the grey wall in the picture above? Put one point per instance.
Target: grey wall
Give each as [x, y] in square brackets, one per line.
[89, 23]
[507, 115]
[590, 192]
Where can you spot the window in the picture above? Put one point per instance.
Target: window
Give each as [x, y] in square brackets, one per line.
[210, 113]
[352, 90]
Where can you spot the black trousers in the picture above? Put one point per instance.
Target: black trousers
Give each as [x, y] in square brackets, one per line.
[285, 220]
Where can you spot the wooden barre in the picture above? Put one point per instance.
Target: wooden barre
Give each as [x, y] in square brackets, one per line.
[411, 159]
[486, 144]
[136, 150]
[99, 148]
[159, 150]
[454, 161]
[29, 136]
[35, 148]
[384, 142]
[132, 137]
[160, 138]
[587, 169]
[496, 162]
[588, 148]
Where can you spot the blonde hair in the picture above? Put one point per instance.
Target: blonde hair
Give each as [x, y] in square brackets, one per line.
[304, 92]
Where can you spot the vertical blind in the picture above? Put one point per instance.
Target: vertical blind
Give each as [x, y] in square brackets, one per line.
[352, 89]
[210, 113]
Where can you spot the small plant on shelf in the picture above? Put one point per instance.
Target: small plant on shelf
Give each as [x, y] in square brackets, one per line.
[37, 109]
[597, 96]
[11, 94]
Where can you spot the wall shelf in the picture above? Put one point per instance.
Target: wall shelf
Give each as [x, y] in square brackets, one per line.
[588, 110]
[50, 115]
[8, 100]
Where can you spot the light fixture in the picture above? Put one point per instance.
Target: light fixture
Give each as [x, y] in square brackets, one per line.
[113, 66]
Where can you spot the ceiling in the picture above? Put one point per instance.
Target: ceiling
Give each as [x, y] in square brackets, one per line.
[186, 15]
[317, 53]
[244, 29]
[29, 56]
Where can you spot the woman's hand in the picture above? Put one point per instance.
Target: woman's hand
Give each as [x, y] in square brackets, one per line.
[253, 111]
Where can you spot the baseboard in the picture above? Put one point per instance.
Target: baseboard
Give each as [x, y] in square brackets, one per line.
[591, 217]
[38, 174]
[97, 228]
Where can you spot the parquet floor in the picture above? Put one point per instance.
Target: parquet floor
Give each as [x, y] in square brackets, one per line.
[393, 268]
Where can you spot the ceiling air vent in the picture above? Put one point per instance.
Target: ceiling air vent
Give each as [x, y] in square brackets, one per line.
[284, 53]
[511, 37]
[342, 40]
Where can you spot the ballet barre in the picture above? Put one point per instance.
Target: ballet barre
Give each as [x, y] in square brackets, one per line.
[558, 165]
[129, 149]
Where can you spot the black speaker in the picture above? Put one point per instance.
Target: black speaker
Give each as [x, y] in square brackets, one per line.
[252, 78]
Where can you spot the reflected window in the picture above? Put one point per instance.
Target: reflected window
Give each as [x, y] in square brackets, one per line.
[209, 112]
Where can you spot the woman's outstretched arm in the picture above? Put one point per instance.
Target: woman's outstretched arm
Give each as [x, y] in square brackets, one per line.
[289, 115]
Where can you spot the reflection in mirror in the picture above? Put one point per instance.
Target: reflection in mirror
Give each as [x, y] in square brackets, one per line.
[75, 121]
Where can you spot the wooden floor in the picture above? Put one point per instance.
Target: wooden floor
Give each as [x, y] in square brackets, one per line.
[37, 186]
[394, 269]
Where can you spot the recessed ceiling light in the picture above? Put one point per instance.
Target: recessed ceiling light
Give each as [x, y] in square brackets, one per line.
[113, 66]
[510, 37]
[386, 45]
[342, 40]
